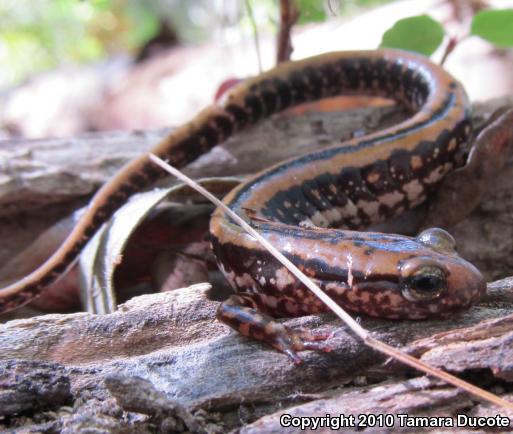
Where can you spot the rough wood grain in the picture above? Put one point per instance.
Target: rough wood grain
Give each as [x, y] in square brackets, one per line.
[42, 180]
[173, 341]
[28, 385]
[221, 381]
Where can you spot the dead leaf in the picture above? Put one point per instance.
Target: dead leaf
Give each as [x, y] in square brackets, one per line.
[105, 252]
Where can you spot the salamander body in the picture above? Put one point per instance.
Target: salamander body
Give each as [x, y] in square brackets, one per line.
[311, 206]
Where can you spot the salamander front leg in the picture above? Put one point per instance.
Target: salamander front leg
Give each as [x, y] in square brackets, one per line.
[241, 312]
[490, 151]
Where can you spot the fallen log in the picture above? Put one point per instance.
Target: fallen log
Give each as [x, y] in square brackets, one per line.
[207, 378]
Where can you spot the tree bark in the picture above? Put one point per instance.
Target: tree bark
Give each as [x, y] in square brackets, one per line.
[202, 376]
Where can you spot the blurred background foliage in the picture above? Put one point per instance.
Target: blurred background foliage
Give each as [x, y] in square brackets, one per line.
[37, 35]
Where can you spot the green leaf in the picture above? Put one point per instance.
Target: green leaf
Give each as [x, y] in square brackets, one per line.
[421, 33]
[101, 4]
[311, 11]
[495, 26]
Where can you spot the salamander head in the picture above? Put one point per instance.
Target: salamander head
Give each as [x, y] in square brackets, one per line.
[443, 281]
[436, 281]
[410, 278]
[381, 275]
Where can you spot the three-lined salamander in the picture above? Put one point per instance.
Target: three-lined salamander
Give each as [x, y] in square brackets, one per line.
[295, 204]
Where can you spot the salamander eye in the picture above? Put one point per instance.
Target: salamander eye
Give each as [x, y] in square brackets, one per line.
[437, 239]
[423, 283]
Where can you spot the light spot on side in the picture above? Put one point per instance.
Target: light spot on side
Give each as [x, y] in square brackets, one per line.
[319, 220]
[369, 208]
[283, 278]
[413, 190]
[453, 144]
[391, 199]
[416, 162]
[373, 177]
[435, 175]
[332, 215]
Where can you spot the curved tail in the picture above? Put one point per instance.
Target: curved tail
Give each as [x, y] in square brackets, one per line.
[288, 84]
[180, 147]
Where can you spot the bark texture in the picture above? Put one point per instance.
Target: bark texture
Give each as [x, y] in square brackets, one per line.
[162, 363]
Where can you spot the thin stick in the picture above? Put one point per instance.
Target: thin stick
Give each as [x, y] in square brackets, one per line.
[341, 313]
[451, 45]
[289, 15]
[255, 33]
[438, 373]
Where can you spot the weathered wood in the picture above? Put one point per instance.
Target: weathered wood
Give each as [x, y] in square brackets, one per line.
[32, 385]
[42, 180]
[417, 397]
[222, 380]
[173, 341]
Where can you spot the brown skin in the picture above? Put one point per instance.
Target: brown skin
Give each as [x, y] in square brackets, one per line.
[362, 181]
[373, 178]
[401, 278]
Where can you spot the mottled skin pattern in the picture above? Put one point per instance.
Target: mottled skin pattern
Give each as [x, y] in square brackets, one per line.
[363, 181]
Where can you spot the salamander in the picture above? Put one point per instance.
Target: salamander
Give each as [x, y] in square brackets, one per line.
[312, 207]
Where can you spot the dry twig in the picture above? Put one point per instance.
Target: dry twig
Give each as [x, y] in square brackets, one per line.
[289, 15]
[341, 313]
